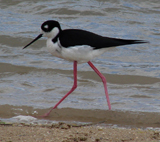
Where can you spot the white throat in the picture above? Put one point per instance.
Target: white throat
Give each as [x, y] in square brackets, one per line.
[52, 34]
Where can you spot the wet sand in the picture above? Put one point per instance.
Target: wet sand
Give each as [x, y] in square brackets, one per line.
[63, 132]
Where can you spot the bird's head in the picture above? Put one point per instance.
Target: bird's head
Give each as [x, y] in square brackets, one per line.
[50, 29]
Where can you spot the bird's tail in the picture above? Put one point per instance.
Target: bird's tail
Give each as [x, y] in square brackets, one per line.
[135, 41]
[119, 42]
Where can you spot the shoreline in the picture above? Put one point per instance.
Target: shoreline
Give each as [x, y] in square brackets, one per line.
[63, 132]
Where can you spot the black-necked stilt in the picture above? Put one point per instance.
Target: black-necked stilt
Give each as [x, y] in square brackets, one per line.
[78, 46]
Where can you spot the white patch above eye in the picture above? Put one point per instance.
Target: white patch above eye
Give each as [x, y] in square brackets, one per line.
[46, 26]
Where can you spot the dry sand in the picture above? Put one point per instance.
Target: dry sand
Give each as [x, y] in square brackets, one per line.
[63, 132]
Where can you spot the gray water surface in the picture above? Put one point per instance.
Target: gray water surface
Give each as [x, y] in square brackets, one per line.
[34, 78]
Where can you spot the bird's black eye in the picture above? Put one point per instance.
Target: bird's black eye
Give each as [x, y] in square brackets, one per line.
[45, 28]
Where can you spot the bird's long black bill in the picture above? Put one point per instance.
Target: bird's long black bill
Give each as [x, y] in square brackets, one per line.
[38, 37]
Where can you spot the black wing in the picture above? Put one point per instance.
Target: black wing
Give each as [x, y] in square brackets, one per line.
[73, 37]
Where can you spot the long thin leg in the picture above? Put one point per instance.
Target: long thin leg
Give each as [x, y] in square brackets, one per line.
[104, 82]
[72, 89]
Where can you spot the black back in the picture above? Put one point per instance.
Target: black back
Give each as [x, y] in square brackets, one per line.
[73, 37]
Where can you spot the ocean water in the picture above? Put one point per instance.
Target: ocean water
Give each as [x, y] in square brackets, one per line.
[32, 80]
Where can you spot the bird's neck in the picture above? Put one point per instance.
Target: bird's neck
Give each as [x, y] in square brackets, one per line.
[55, 39]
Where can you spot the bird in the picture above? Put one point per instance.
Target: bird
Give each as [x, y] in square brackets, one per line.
[78, 46]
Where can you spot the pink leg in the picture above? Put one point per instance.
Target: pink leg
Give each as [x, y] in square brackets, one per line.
[72, 89]
[104, 82]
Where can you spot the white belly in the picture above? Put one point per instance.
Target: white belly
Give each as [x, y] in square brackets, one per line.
[81, 54]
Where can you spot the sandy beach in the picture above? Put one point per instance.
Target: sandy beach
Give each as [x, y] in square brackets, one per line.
[63, 132]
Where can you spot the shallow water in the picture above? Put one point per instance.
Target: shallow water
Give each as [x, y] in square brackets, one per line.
[34, 78]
